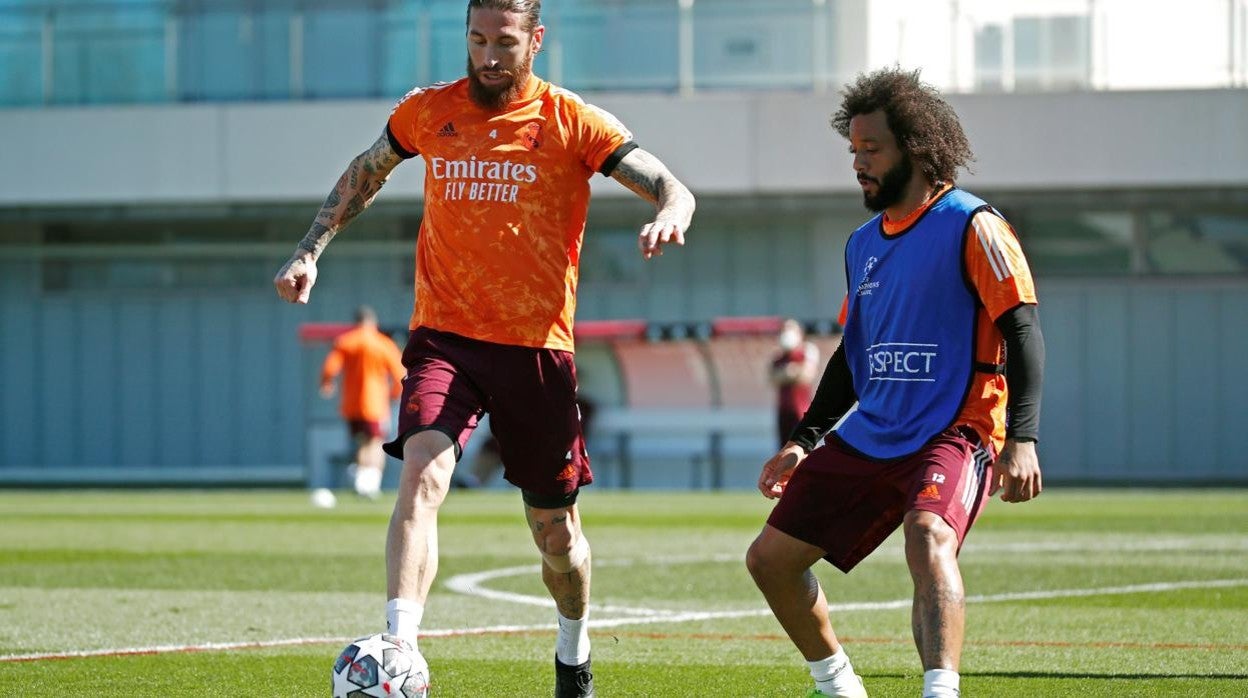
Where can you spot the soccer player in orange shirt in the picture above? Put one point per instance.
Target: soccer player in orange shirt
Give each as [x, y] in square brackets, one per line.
[941, 310]
[372, 379]
[508, 159]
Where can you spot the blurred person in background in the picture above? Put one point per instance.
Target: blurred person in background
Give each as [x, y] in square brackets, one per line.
[508, 158]
[489, 458]
[793, 372]
[941, 309]
[372, 379]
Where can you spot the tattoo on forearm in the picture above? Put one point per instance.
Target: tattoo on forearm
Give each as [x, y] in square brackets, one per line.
[644, 175]
[358, 186]
[332, 201]
[316, 239]
[357, 204]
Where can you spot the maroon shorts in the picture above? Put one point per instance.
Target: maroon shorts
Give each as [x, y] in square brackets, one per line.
[847, 504]
[530, 395]
[366, 428]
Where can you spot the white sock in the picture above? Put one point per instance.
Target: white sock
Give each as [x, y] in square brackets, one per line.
[833, 675]
[940, 683]
[403, 618]
[572, 642]
[367, 481]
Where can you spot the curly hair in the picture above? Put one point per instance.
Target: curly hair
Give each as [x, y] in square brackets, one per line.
[925, 126]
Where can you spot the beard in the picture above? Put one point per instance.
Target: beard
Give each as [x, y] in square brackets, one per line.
[889, 188]
[495, 97]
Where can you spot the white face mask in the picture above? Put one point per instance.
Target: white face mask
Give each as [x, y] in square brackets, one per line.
[789, 339]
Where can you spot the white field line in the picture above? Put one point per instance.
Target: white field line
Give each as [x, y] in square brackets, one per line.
[654, 616]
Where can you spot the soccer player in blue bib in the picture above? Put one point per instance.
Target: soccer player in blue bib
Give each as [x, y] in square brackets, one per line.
[941, 343]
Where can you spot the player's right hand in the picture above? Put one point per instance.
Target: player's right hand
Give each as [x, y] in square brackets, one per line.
[295, 279]
[778, 470]
[655, 235]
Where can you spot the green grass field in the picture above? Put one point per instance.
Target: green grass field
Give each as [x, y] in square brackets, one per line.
[1079, 593]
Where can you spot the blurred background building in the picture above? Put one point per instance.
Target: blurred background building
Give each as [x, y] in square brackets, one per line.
[159, 160]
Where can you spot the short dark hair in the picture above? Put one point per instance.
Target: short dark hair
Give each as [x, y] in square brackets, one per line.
[925, 126]
[531, 9]
[365, 314]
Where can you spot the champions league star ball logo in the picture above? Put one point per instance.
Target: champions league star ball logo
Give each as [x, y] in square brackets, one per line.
[866, 286]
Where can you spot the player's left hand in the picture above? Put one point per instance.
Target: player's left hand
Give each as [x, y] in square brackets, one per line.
[778, 470]
[654, 235]
[1016, 472]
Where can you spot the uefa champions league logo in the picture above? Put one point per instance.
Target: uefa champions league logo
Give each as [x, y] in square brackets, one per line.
[867, 285]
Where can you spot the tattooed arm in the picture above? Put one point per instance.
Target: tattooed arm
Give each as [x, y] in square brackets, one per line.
[355, 190]
[650, 179]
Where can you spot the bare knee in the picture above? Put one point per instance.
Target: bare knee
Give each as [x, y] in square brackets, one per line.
[929, 539]
[773, 558]
[428, 461]
[757, 559]
[557, 533]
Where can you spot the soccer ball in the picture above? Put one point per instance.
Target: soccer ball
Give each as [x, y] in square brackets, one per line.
[380, 666]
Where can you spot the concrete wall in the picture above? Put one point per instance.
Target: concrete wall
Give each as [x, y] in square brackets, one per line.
[719, 143]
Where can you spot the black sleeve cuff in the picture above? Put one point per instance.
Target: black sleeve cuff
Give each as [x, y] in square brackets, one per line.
[833, 398]
[608, 165]
[1024, 370]
[394, 143]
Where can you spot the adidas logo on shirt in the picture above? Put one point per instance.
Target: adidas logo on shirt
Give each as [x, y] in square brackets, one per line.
[448, 129]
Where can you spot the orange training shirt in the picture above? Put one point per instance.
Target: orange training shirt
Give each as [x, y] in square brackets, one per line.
[372, 373]
[999, 273]
[506, 197]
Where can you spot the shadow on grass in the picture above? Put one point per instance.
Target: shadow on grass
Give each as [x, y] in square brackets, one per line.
[1090, 675]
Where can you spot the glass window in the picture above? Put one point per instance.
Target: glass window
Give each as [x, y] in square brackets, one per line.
[748, 44]
[610, 257]
[1051, 52]
[990, 58]
[1181, 243]
[1069, 53]
[622, 46]
[21, 57]
[1077, 243]
[108, 55]
[341, 56]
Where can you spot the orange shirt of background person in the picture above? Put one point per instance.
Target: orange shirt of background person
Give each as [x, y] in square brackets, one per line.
[498, 254]
[372, 373]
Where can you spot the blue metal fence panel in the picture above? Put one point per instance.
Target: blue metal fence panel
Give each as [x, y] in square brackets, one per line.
[1197, 356]
[20, 386]
[1107, 440]
[1231, 375]
[1063, 415]
[1152, 385]
[1145, 379]
[56, 420]
[138, 390]
[178, 377]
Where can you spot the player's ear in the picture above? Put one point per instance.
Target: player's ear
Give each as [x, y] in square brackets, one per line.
[538, 33]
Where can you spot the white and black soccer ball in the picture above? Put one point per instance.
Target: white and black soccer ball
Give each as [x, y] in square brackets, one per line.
[380, 666]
